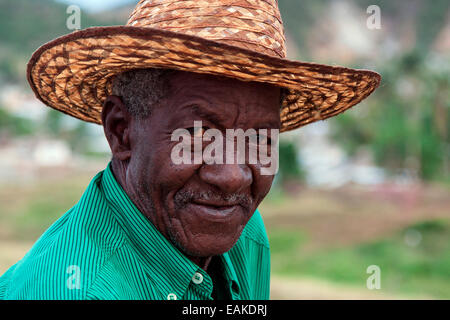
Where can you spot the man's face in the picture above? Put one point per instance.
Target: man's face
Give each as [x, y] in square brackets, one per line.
[200, 208]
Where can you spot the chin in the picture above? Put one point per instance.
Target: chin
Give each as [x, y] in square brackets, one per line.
[207, 245]
[202, 231]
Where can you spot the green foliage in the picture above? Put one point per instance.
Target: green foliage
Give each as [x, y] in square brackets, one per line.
[14, 125]
[39, 205]
[76, 136]
[25, 25]
[53, 123]
[298, 17]
[351, 132]
[430, 16]
[400, 124]
[391, 137]
[290, 167]
[432, 149]
[284, 241]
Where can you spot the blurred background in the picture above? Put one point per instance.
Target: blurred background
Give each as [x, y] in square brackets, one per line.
[368, 187]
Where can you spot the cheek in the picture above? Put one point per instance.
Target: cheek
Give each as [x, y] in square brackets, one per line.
[174, 177]
[265, 183]
[168, 178]
[153, 158]
[142, 163]
[261, 184]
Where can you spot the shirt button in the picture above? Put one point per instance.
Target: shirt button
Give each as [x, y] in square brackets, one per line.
[197, 278]
[171, 296]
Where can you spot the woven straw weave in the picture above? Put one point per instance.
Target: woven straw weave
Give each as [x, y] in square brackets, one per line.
[243, 39]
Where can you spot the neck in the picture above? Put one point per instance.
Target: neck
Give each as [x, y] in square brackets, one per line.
[119, 170]
[202, 262]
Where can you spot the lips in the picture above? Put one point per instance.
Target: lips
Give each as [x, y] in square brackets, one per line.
[202, 207]
[215, 211]
[215, 205]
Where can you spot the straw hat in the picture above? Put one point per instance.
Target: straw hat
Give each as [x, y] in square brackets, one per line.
[242, 39]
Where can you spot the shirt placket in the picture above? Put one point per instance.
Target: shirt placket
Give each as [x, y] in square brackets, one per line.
[200, 287]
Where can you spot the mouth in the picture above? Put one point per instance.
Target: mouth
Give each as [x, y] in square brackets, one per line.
[219, 206]
[217, 211]
[204, 207]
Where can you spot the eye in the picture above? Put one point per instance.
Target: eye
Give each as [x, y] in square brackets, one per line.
[264, 138]
[197, 132]
[259, 139]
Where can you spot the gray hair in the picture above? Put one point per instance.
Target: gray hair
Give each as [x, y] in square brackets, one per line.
[140, 89]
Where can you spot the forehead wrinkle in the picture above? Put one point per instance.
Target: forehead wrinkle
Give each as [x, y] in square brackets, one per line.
[222, 110]
[206, 111]
[211, 94]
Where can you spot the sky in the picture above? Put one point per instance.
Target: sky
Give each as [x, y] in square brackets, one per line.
[97, 5]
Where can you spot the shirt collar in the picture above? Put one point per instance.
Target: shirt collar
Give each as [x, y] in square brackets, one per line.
[230, 274]
[172, 269]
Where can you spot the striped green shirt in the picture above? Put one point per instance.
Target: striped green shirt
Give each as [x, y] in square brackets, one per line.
[104, 248]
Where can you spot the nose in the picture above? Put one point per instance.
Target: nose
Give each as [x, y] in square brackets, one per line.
[229, 178]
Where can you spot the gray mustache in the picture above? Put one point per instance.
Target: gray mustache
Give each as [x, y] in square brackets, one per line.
[182, 198]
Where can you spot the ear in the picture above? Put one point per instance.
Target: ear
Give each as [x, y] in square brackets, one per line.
[116, 124]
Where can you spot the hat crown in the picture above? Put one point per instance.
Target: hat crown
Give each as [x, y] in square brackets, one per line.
[248, 24]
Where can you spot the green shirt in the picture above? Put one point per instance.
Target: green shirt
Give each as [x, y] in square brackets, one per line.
[104, 248]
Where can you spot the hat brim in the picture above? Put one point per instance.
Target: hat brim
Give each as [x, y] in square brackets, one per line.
[72, 73]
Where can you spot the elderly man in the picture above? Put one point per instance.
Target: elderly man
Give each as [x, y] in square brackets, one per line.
[150, 227]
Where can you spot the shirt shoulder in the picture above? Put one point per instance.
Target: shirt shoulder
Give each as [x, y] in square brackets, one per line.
[123, 277]
[65, 260]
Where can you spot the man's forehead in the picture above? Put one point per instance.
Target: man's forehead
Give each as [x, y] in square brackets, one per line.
[223, 113]
[205, 86]
[219, 107]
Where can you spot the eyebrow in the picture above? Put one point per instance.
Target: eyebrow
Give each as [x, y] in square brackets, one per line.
[218, 119]
[206, 114]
